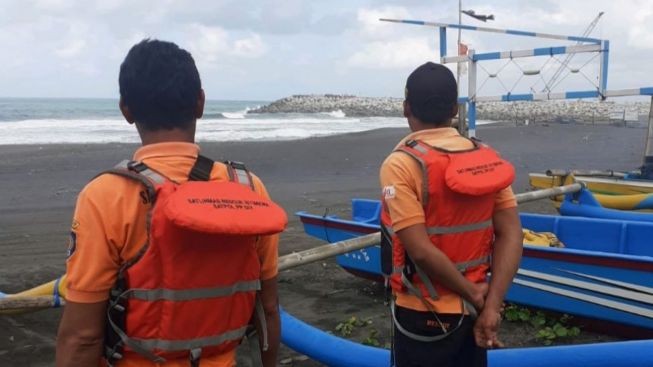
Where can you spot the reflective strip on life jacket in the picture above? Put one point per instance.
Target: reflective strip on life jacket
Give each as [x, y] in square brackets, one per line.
[459, 228]
[177, 345]
[145, 346]
[461, 266]
[420, 148]
[425, 177]
[238, 173]
[452, 229]
[191, 294]
[142, 169]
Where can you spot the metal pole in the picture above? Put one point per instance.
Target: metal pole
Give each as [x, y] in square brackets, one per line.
[603, 69]
[458, 65]
[647, 169]
[462, 118]
[471, 92]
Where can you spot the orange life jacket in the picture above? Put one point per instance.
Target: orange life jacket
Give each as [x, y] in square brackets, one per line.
[458, 197]
[191, 289]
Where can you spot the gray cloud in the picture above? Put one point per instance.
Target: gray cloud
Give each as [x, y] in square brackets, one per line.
[266, 49]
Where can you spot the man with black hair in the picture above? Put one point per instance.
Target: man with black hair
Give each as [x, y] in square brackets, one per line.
[161, 94]
[449, 214]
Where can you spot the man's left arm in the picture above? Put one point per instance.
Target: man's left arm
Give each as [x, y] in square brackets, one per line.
[505, 262]
[270, 300]
[268, 252]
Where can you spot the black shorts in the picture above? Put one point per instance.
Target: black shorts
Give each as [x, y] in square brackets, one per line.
[456, 350]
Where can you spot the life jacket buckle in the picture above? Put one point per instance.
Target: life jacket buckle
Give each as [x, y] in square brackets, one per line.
[136, 166]
[237, 165]
[194, 357]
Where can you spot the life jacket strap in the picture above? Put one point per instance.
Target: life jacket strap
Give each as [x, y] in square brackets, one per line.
[422, 164]
[201, 171]
[239, 173]
[126, 340]
[424, 338]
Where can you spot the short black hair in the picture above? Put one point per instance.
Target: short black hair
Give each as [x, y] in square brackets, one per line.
[432, 93]
[160, 85]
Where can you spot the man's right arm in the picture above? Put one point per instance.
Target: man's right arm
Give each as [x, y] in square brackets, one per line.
[91, 270]
[80, 338]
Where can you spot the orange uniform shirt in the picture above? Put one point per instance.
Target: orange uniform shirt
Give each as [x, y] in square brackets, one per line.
[109, 228]
[405, 174]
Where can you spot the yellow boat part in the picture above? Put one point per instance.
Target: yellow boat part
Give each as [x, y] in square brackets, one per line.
[55, 288]
[610, 192]
[599, 185]
[545, 239]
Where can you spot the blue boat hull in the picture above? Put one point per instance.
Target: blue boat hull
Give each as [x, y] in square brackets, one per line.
[337, 352]
[584, 204]
[605, 271]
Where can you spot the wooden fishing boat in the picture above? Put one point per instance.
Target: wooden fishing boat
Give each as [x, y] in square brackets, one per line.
[333, 351]
[585, 204]
[605, 270]
[611, 189]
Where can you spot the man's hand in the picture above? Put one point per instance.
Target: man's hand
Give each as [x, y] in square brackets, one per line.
[478, 295]
[438, 266]
[486, 329]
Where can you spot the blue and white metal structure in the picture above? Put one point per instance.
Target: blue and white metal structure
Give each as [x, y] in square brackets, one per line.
[513, 32]
[586, 44]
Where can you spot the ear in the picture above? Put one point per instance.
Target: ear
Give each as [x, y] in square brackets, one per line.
[407, 111]
[199, 109]
[454, 110]
[125, 112]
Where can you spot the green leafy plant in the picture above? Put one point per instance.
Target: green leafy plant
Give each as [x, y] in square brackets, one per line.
[549, 328]
[347, 327]
[372, 338]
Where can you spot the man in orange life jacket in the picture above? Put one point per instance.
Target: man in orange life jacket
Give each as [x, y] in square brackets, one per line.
[448, 210]
[161, 95]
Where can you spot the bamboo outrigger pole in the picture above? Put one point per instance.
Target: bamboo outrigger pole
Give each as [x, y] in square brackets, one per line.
[34, 303]
[591, 172]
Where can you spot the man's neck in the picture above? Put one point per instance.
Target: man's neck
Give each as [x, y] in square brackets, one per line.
[419, 126]
[167, 136]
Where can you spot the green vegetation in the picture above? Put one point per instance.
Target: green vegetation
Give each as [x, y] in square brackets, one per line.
[549, 328]
[349, 326]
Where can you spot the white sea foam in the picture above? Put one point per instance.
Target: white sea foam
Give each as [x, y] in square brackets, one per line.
[247, 128]
[336, 114]
[236, 115]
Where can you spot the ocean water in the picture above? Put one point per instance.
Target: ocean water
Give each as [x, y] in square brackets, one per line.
[89, 121]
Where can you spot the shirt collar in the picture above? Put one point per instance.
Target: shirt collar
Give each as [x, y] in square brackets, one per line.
[429, 134]
[167, 149]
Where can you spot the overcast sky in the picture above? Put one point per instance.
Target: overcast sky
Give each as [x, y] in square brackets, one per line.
[268, 49]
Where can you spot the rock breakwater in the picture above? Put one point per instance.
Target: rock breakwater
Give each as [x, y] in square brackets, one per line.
[579, 111]
[350, 105]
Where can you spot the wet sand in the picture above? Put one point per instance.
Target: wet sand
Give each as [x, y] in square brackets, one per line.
[39, 184]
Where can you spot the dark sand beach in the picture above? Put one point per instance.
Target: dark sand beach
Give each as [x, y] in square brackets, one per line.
[39, 184]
